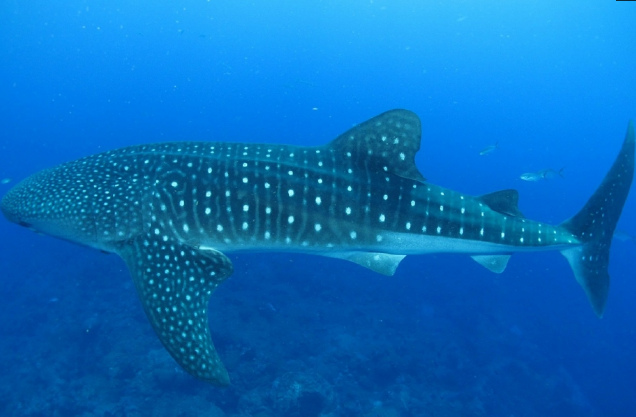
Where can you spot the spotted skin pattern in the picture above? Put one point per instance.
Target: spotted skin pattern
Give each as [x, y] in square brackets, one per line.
[172, 210]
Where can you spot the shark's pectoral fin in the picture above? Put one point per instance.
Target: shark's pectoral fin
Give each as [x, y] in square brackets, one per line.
[174, 282]
[382, 263]
[495, 263]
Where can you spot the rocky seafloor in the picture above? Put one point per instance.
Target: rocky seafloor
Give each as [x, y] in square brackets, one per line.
[300, 336]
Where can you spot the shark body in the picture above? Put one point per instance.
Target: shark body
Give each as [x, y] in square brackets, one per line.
[172, 211]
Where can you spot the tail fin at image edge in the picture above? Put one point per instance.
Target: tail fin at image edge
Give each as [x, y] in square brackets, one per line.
[594, 226]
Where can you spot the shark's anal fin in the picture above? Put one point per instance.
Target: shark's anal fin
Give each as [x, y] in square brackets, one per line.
[495, 263]
[385, 143]
[174, 282]
[383, 263]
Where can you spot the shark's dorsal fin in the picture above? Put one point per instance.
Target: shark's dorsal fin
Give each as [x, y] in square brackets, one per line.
[504, 202]
[174, 282]
[387, 142]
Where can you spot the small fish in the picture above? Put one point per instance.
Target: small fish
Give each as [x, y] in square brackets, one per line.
[305, 82]
[489, 149]
[5, 181]
[624, 236]
[531, 176]
[544, 174]
[550, 173]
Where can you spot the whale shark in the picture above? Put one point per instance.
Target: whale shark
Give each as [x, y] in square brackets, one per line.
[174, 210]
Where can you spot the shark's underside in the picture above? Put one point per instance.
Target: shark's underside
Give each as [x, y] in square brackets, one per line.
[171, 211]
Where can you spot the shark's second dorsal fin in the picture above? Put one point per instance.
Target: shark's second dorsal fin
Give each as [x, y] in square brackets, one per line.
[387, 142]
[504, 202]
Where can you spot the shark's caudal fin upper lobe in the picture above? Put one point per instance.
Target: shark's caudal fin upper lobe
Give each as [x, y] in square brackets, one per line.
[594, 225]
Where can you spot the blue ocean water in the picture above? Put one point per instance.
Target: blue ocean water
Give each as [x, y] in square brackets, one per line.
[552, 83]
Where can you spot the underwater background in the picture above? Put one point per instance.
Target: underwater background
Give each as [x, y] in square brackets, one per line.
[552, 84]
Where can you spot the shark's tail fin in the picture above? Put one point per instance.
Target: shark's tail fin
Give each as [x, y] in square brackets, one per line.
[594, 226]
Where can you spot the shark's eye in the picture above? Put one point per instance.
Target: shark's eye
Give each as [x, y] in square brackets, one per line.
[25, 224]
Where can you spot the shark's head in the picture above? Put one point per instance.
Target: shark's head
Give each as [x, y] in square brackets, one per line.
[15, 205]
[77, 202]
[114, 202]
[32, 204]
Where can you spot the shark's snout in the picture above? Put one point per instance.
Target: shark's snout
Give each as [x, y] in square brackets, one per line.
[26, 201]
[32, 204]
[92, 202]
[10, 208]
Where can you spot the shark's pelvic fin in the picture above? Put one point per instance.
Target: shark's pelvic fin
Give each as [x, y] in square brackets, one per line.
[382, 263]
[594, 225]
[504, 202]
[174, 282]
[387, 142]
[495, 263]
